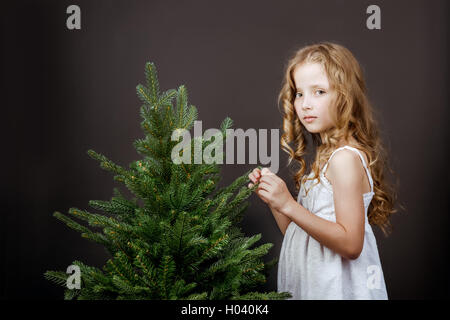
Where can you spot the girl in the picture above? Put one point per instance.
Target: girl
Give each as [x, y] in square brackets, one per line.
[329, 250]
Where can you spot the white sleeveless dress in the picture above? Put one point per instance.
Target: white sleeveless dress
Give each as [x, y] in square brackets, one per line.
[309, 270]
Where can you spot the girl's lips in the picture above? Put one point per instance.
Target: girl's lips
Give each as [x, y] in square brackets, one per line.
[309, 119]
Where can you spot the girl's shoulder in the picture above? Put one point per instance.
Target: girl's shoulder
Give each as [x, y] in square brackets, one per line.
[346, 162]
[343, 159]
[354, 148]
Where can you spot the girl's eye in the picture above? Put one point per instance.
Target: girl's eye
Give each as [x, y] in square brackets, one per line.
[299, 94]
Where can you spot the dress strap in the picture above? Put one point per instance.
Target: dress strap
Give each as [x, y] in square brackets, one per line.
[362, 160]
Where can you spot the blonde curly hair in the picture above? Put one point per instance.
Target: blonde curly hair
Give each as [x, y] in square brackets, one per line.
[353, 117]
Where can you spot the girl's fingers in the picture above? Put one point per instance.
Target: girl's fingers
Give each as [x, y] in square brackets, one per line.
[253, 177]
[268, 179]
[265, 181]
[257, 173]
[264, 186]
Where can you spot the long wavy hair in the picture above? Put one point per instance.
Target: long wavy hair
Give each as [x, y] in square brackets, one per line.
[352, 115]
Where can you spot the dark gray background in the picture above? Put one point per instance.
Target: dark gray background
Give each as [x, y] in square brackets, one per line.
[65, 92]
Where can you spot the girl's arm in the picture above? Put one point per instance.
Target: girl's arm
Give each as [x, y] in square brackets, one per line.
[346, 235]
[282, 220]
[333, 235]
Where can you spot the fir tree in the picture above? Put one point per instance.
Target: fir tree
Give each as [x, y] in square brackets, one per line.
[179, 237]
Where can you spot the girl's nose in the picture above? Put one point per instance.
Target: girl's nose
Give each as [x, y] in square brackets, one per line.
[306, 104]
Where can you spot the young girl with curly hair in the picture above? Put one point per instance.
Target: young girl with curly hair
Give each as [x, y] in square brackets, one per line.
[329, 250]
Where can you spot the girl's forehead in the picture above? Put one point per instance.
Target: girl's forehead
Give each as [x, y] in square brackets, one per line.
[310, 74]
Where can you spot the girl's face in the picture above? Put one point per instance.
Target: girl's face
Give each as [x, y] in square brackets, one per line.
[314, 97]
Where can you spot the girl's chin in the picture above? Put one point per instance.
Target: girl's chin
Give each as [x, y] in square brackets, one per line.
[311, 129]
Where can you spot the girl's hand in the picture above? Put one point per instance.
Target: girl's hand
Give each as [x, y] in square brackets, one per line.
[254, 176]
[272, 190]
